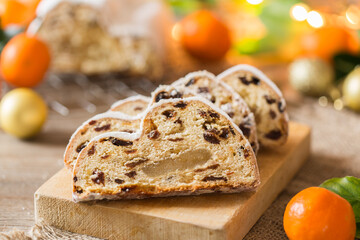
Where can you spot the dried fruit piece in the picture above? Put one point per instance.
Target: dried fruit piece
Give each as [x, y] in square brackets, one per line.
[269, 100]
[161, 95]
[245, 129]
[91, 151]
[179, 121]
[190, 82]
[272, 114]
[102, 128]
[254, 80]
[214, 178]
[154, 134]
[202, 113]
[224, 133]
[131, 151]
[212, 167]
[213, 114]
[98, 177]
[274, 134]
[81, 146]
[131, 174]
[92, 122]
[281, 106]
[211, 137]
[119, 142]
[119, 181]
[169, 113]
[180, 105]
[203, 90]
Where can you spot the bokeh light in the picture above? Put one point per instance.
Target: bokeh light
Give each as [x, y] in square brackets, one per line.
[175, 32]
[315, 19]
[254, 2]
[352, 15]
[299, 12]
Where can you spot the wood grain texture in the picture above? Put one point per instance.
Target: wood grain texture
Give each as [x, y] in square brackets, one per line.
[26, 165]
[213, 216]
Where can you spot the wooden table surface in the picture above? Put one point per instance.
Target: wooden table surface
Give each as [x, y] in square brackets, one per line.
[26, 165]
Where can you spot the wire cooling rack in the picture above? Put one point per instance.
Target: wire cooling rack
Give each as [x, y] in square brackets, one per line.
[64, 93]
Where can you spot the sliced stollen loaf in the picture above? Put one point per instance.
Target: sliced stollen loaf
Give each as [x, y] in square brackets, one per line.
[185, 147]
[132, 106]
[124, 116]
[204, 84]
[101, 123]
[264, 99]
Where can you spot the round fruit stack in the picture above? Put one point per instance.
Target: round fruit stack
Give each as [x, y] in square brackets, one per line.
[24, 62]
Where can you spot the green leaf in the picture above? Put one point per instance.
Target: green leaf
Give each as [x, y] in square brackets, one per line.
[348, 188]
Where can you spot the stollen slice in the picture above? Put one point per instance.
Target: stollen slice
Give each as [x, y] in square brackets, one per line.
[132, 106]
[204, 84]
[97, 125]
[264, 99]
[185, 147]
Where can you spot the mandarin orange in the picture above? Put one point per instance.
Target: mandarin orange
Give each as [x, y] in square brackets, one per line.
[328, 41]
[318, 214]
[24, 61]
[17, 12]
[204, 35]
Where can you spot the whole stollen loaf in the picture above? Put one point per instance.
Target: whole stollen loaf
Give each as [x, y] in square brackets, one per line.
[185, 147]
[95, 37]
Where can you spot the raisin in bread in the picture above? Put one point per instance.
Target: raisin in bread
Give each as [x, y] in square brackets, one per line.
[101, 123]
[172, 155]
[204, 84]
[132, 106]
[264, 100]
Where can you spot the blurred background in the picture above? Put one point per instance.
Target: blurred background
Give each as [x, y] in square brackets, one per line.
[92, 53]
[63, 61]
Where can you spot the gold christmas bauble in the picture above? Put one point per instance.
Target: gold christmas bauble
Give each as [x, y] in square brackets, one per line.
[351, 90]
[22, 113]
[311, 76]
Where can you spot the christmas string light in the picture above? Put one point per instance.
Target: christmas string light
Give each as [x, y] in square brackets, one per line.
[299, 12]
[352, 16]
[315, 19]
[175, 32]
[349, 18]
[254, 2]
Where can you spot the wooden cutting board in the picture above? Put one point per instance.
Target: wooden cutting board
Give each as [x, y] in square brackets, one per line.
[212, 216]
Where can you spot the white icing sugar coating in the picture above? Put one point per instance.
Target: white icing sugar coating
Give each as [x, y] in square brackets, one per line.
[46, 6]
[130, 99]
[121, 135]
[109, 114]
[193, 75]
[132, 136]
[253, 70]
[211, 76]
